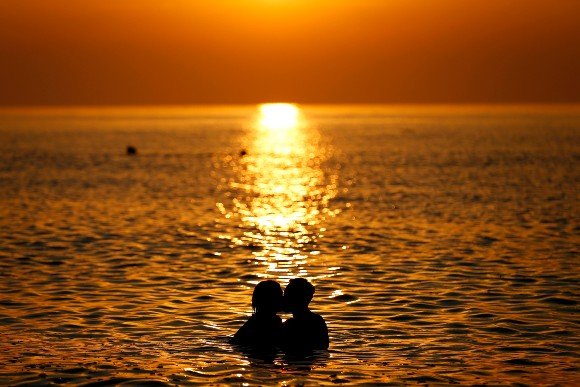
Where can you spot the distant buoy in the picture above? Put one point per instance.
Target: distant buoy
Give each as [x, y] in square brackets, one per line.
[131, 150]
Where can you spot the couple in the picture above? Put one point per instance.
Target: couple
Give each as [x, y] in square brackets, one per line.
[303, 332]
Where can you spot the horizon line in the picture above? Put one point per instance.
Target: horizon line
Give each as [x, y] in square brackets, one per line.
[240, 104]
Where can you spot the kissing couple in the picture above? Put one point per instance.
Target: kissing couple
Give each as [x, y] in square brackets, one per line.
[264, 329]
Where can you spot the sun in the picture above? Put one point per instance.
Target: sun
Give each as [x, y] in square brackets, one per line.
[278, 116]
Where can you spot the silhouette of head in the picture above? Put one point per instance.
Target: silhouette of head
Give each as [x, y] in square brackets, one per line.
[267, 297]
[298, 294]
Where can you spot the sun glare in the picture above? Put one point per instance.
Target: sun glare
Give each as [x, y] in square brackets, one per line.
[278, 116]
[281, 192]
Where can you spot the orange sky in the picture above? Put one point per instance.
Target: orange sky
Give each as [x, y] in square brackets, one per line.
[86, 52]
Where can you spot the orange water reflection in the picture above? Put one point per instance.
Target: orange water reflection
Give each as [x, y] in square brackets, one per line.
[282, 193]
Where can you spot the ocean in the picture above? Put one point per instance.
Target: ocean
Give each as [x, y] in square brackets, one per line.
[443, 242]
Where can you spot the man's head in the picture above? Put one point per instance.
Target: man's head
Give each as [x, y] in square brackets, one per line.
[298, 294]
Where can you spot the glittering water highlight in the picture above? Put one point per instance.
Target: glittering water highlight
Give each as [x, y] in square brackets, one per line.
[280, 193]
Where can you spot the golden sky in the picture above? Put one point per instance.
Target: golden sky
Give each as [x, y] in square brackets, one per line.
[84, 52]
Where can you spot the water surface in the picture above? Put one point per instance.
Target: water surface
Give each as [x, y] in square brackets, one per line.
[443, 243]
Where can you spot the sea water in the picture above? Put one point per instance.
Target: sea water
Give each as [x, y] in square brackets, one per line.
[443, 243]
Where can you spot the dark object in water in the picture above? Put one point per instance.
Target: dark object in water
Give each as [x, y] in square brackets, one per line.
[262, 330]
[131, 150]
[306, 330]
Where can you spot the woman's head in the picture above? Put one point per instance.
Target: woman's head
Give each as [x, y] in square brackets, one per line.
[267, 297]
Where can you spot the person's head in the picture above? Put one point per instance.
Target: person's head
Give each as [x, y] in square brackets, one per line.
[298, 294]
[267, 297]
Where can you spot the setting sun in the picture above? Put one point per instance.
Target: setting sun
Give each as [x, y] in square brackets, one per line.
[278, 116]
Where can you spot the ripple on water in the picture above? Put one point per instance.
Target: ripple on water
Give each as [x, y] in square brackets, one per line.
[447, 266]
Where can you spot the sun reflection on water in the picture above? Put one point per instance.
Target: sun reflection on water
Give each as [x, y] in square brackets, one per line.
[281, 193]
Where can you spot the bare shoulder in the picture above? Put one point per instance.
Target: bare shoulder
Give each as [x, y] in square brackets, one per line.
[318, 319]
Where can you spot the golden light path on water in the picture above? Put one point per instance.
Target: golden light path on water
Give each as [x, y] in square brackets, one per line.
[282, 194]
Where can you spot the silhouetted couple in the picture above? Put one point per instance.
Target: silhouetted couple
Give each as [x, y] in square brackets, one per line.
[303, 332]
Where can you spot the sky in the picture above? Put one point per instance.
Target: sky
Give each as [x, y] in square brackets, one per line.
[135, 52]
